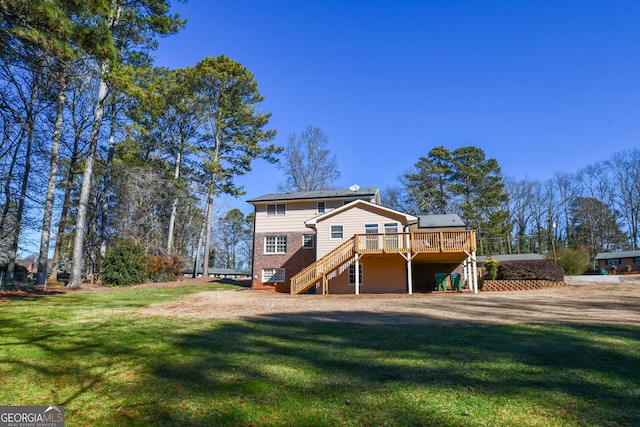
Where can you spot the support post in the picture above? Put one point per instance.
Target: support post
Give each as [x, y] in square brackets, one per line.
[474, 269]
[409, 275]
[465, 273]
[357, 268]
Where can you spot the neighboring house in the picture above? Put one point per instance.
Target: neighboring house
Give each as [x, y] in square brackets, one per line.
[215, 272]
[316, 242]
[619, 259]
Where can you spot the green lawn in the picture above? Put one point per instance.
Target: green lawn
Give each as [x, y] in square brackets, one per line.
[108, 365]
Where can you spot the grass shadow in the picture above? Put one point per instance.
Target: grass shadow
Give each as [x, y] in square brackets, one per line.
[293, 367]
[111, 366]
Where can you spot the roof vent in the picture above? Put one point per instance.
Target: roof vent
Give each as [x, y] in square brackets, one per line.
[354, 187]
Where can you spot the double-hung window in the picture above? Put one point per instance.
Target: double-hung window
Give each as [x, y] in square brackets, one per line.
[276, 209]
[321, 207]
[275, 245]
[337, 232]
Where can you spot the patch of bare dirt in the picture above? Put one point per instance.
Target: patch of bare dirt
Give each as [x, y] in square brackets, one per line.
[594, 303]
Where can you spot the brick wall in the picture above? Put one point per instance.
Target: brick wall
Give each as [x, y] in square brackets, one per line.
[293, 261]
[518, 285]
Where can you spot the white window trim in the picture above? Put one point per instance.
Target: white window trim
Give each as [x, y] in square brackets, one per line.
[331, 232]
[371, 226]
[324, 207]
[276, 244]
[273, 275]
[276, 212]
[311, 238]
[391, 224]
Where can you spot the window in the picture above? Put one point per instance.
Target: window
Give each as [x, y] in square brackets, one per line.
[321, 207]
[278, 209]
[637, 260]
[352, 274]
[372, 241]
[337, 232]
[371, 228]
[613, 262]
[391, 227]
[275, 245]
[391, 242]
[273, 275]
[307, 241]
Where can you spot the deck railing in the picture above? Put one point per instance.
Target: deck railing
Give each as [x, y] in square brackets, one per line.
[433, 241]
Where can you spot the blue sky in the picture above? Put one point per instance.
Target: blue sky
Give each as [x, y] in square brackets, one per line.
[542, 86]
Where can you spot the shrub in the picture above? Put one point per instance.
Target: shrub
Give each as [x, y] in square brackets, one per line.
[164, 268]
[124, 264]
[492, 266]
[574, 261]
[530, 270]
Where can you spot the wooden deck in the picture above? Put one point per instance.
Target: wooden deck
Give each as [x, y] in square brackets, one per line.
[429, 242]
[439, 244]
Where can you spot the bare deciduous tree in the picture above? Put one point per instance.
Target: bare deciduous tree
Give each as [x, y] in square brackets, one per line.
[625, 168]
[308, 165]
[142, 204]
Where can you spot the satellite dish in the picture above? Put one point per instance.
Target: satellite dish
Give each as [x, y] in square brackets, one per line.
[354, 187]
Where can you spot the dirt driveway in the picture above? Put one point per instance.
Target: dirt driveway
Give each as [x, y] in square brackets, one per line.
[593, 303]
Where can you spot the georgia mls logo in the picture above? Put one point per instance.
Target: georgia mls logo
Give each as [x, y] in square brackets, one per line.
[31, 416]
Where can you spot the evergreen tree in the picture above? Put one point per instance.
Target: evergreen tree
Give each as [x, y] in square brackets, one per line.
[465, 182]
[233, 135]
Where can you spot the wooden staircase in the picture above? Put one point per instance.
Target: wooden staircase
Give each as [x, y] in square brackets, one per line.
[333, 263]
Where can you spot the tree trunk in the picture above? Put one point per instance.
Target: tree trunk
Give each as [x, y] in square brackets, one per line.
[66, 204]
[75, 281]
[174, 205]
[41, 277]
[207, 234]
[210, 197]
[30, 124]
[93, 250]
[7, 194]
[106, 184]
[196, 262]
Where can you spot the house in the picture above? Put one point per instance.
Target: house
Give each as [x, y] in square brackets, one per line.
[606, 260]
[218, 273]
[316, 242]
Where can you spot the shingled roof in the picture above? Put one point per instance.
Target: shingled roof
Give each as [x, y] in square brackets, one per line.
[616, 255]
[315, 195]
[440, 221]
